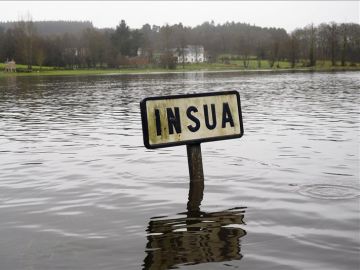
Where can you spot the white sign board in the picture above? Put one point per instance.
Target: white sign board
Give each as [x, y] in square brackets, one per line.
[187, 119]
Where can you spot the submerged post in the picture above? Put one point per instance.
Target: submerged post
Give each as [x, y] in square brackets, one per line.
[196, 190]
[196, 173]
[195, 162]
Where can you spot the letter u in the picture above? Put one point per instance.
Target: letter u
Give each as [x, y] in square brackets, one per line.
[206, 114]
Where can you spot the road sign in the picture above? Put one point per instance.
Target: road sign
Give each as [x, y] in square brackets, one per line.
[191, 119]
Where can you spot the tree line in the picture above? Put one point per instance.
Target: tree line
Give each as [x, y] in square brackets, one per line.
[338, 43]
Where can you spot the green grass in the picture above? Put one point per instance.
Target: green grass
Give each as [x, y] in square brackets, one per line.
[23, 67]
[79, 72]
[263, 65]
[231, 65]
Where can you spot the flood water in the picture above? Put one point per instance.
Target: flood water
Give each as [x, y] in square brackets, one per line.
[78, 190]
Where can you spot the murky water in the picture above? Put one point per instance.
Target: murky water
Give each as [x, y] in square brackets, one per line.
[79, 191]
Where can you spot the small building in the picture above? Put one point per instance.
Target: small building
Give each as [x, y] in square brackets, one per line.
[141, 52]
[10, 66]
[190, 54]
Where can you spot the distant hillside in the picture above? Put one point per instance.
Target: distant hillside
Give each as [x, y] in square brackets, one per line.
[46, 28]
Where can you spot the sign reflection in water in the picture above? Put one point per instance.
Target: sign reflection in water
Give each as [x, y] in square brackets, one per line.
[198, 237]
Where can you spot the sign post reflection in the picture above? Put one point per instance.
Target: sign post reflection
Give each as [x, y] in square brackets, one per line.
[196, 237]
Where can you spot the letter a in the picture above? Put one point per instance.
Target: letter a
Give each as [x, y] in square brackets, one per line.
[226, 116]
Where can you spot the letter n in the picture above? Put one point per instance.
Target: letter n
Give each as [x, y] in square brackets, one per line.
[173, 120]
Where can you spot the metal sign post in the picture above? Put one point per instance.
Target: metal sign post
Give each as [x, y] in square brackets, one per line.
[196, 173]
[195, 162]
[190, 120]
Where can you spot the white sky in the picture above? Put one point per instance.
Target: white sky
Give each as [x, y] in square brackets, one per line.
[285, 14]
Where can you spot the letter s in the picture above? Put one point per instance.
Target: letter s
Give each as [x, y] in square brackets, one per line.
[193, 118]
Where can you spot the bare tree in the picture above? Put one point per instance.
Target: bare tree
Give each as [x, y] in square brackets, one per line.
[181, 40]
[311, 31]
[333, 29]
[344, 43]
[293, 49]
[27, 29]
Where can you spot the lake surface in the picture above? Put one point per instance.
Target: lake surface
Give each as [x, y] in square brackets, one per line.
[78, 190]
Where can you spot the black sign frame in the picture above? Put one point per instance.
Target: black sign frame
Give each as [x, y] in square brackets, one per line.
[144, 120]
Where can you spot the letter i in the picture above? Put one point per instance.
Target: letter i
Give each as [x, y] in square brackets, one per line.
[158, 122]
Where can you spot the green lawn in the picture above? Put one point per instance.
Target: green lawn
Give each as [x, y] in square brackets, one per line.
[23, 67]
[77, 72]
[263, 64]
[231, 65]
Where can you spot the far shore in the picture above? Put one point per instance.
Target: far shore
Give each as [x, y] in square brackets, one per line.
[179, 70]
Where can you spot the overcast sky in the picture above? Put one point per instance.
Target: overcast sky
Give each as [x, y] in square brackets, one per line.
[285, 14]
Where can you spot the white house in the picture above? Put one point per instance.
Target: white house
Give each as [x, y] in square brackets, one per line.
[190, 54]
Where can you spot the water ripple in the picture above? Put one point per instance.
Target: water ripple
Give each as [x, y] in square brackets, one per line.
[329, 192]
[79, 191]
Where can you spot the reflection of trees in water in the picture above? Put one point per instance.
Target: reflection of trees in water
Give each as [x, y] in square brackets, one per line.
[197, 237]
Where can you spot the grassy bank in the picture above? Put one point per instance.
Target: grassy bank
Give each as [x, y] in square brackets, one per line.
[234, 65]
